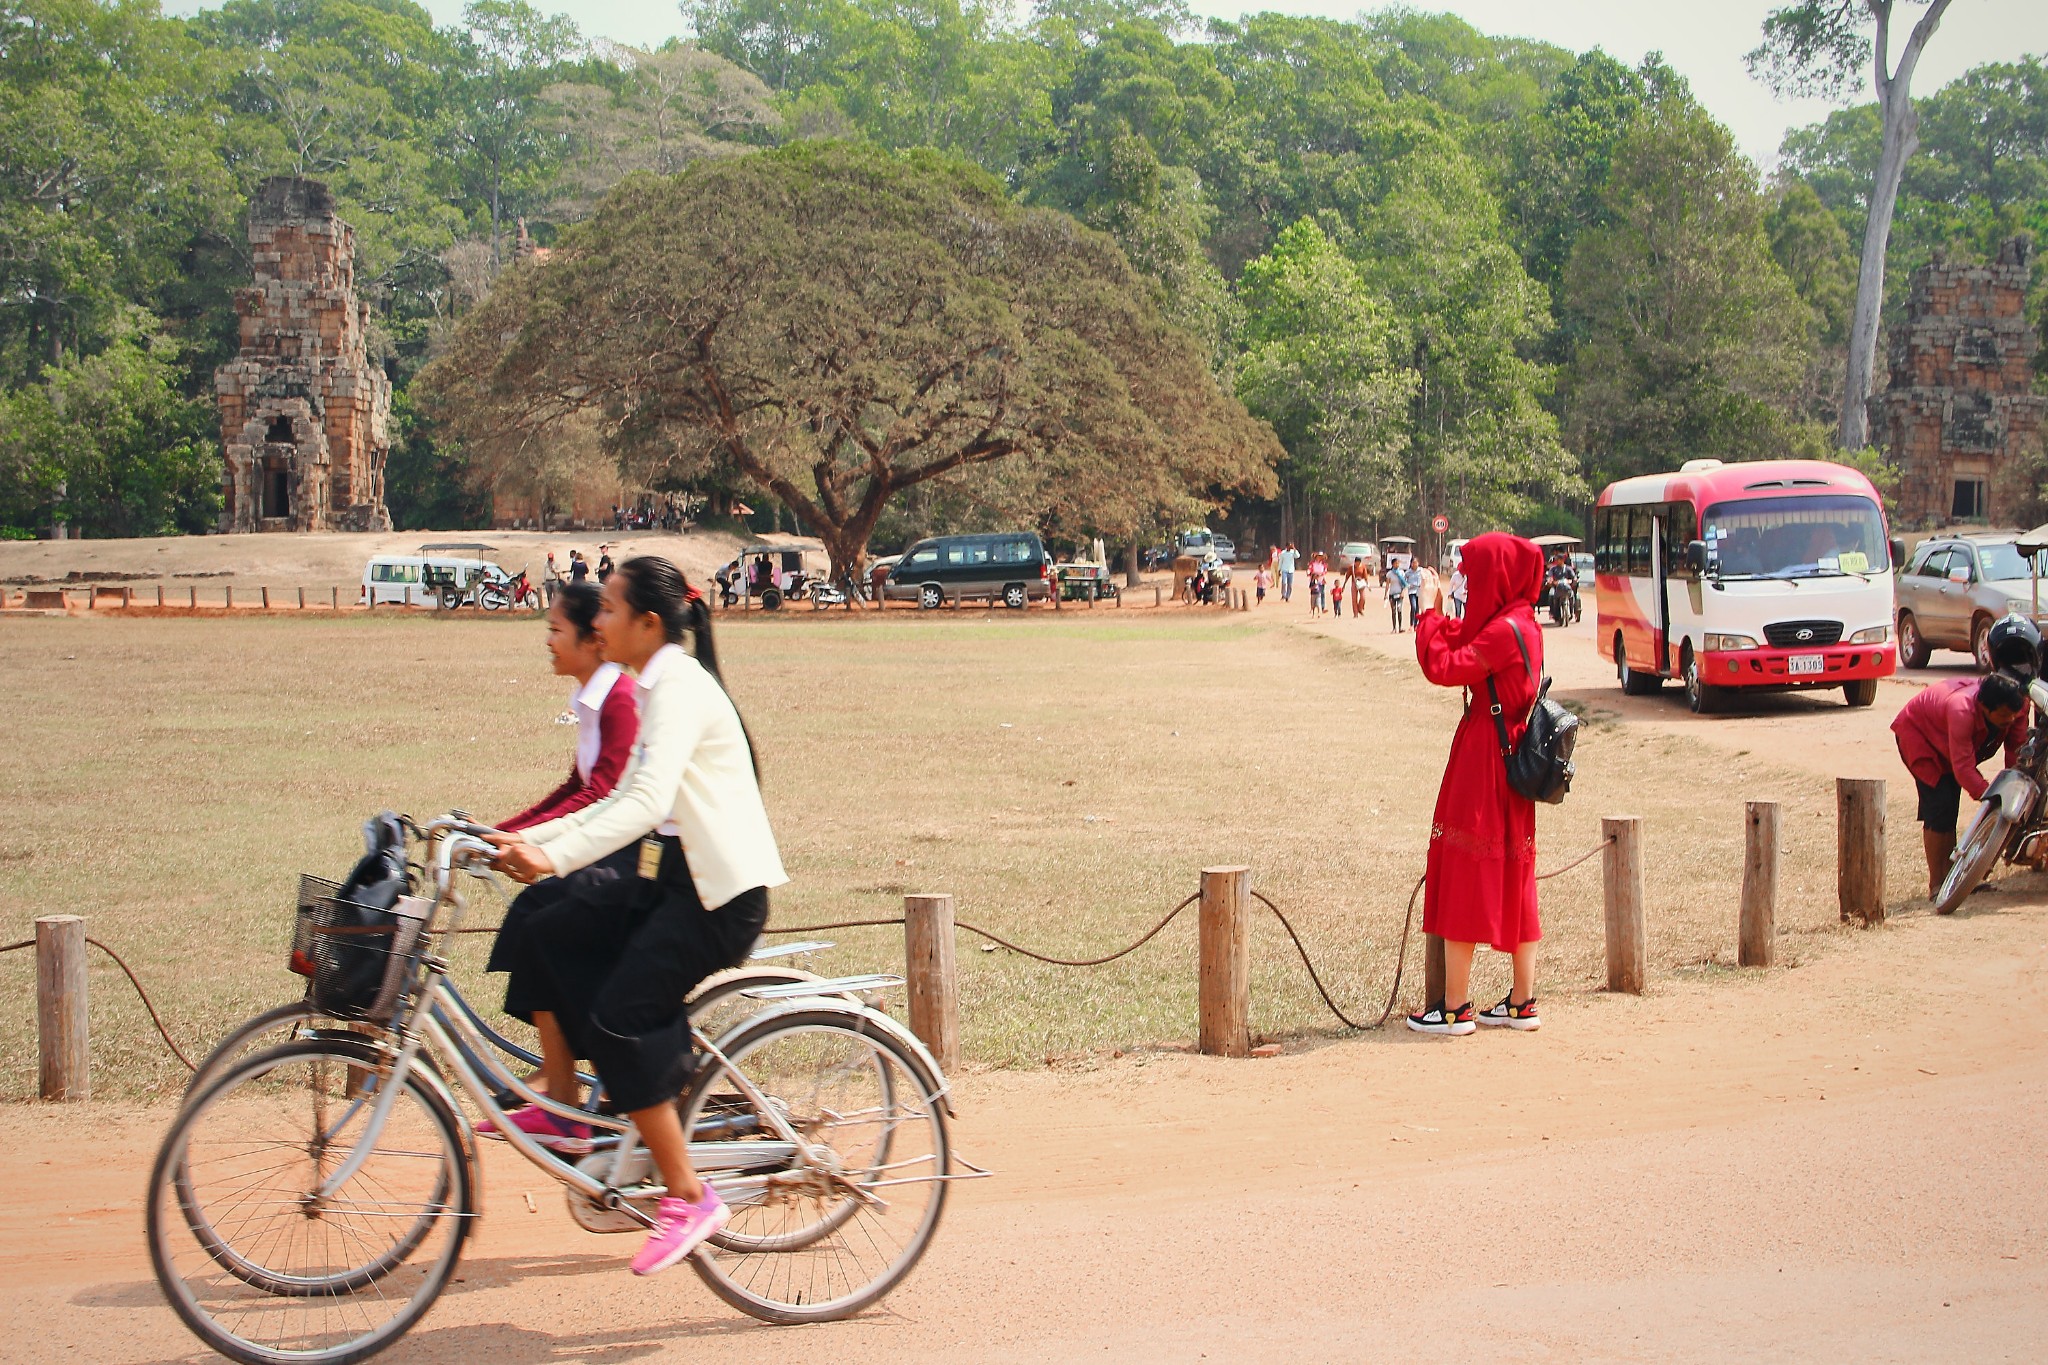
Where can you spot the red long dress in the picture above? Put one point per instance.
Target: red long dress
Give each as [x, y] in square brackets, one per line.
[1481, 886]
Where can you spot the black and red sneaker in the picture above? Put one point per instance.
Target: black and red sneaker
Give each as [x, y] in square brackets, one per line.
[1507, 1014]
[1438, 1019]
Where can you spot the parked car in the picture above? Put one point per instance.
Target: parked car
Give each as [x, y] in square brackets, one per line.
[1011, 566]
[422, 580]
[1225, 548]
[1197, 543]
[1952, 590]
[1351, 551]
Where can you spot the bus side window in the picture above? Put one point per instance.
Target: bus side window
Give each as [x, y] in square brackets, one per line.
[1641, 525]
[1603, 541]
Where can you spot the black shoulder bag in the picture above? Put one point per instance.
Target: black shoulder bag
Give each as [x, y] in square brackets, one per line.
[1540, 767]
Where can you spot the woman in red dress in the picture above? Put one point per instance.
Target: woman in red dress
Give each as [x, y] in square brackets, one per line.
[1481, 886]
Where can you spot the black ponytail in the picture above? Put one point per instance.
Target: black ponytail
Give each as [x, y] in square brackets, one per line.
[579, 603]
[656, 586]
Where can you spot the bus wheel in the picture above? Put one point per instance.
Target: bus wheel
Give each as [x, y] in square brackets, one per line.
[1861, 692]
[1703, 697]
[1913, 647]
[1633, 684]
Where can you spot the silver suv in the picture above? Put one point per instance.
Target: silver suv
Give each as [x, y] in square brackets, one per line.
[1954, 588]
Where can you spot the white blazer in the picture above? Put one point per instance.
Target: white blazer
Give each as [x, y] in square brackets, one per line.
[691, 775]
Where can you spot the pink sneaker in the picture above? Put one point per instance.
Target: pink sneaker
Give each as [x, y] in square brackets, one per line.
[557, 1135]
[680, 1227]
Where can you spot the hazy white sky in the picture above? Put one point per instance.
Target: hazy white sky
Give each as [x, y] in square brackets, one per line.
[1704, 42]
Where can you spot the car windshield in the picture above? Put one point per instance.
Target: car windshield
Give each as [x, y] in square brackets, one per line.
[1796, 537]
[2004, 561]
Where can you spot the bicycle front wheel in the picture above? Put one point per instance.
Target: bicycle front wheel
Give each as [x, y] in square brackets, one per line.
[822, 1233]
[260, 1269]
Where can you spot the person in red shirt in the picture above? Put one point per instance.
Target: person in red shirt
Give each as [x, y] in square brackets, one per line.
[607, 722]
[1481, 883]
[1944, 733]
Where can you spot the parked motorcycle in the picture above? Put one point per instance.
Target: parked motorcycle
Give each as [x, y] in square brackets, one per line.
[501, 593]
[2011, 820]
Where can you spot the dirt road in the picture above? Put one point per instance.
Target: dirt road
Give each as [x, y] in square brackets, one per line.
[1839, 1161]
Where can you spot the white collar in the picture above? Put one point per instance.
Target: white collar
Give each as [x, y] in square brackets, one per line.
[650, 672]
[593, 693]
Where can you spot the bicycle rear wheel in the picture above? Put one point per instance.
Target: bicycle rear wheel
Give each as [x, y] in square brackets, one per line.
[253, 1267]
[821, 1235]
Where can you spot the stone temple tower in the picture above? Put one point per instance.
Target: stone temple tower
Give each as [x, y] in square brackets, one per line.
[304, 416]
[1961, 406]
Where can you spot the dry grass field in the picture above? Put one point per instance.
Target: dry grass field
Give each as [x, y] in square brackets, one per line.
[1064, 776]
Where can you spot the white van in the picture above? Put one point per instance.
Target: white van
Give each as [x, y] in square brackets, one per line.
[401, 579]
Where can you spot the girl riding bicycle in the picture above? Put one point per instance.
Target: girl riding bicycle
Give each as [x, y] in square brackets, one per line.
[602, 971]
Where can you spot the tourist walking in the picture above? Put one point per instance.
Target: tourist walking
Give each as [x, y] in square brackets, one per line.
[1289, 557]
[1259, 581]
[579, 567]
[1315, 586]
[1458, 591]
[1480, 885]
[604, 566]
[1395, 586]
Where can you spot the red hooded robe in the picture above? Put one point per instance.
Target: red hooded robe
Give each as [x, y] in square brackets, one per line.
[1481, 886]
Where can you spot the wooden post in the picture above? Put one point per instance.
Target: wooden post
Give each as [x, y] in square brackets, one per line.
[127, 598]
[1622, 887]
[266, 597]
[1224, 992]
[1859, 848]
[194, 603]
[1754, 945]
[1155, 595]
[302, 599]
[63, 1045]
[333, 598]
[231, 597]
[934, 983]
[1057, 593]
[159, 595]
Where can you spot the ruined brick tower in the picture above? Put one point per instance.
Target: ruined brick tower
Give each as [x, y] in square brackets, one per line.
[1959, 404]
[304, 416]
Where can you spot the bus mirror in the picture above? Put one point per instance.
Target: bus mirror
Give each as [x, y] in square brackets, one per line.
[1696, 558]
[1898, 549]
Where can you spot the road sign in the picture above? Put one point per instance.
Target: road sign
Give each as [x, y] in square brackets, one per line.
[1440, 524]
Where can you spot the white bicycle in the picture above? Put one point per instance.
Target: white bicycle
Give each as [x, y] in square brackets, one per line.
[311, 1200]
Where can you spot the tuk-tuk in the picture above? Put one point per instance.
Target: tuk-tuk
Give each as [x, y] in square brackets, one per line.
[771, 574]
[1085, 582]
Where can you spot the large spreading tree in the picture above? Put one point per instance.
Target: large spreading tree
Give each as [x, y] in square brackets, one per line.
[838, 324]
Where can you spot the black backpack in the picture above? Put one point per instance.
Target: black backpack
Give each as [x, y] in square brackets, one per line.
[1540, 767]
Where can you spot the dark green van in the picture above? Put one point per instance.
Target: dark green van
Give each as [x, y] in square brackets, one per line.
[1006, 565]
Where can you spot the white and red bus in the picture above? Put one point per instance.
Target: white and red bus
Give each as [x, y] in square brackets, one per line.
[1773, 574]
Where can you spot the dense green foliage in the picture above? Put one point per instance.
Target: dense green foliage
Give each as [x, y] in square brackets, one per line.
[1456, 273]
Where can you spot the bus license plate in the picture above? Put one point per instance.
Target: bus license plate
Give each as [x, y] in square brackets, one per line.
[1807, 663]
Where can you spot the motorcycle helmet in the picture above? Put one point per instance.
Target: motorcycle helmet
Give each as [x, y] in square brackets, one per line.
[2015, 647]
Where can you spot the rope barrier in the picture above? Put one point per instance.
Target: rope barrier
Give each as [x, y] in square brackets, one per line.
[140, 993]
[1315, 977]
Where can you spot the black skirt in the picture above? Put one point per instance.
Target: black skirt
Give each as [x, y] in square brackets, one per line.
[613, 956]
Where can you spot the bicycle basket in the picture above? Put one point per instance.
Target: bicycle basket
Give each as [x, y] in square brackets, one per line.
[358, 960]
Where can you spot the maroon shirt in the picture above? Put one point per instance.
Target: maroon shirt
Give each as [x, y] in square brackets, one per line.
[1943, 731]
[618, 724]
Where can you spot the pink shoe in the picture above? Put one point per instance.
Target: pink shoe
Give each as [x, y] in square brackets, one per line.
[557, 1135]
[680, 1227]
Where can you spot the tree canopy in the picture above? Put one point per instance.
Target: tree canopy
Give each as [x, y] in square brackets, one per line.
[841, 324]
[1492, 204]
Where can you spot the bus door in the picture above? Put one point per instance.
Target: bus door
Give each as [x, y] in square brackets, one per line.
[1660, 578]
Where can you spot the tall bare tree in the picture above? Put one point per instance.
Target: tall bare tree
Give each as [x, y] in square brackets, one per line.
[1819, 47]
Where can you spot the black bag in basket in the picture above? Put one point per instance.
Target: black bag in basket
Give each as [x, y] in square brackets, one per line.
[1540, 767]
[352, 953]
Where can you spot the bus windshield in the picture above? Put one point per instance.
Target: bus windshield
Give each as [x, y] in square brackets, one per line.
[1808, 536]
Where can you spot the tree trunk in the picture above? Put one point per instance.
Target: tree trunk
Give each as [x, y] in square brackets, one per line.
[1901, 140]
[1131, 566]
